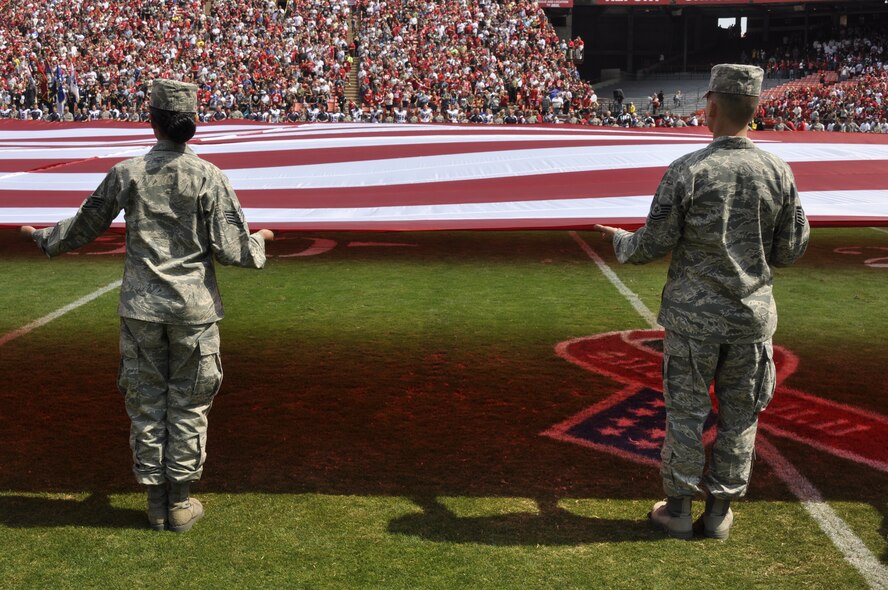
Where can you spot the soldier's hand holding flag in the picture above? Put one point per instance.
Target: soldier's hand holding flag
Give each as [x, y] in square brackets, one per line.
[607, 232]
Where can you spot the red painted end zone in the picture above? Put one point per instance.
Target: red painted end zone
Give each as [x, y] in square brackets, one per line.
[842, 430]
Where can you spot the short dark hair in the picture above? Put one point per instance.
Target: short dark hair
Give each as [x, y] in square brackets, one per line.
[178, 126]
[736, 108]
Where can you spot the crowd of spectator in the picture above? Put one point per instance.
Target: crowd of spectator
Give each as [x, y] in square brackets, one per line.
[91, 59]
[291, 60]
[859, 104]
[481, 61]
[467, 61]
[849, 91]
[848, 51]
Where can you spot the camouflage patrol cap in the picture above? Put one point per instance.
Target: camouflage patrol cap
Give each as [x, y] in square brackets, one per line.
[736, 79]
[171, 95]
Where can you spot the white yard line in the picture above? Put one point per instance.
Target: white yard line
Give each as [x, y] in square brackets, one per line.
[57, 313]
[852, 548]
[625, 291]
[881, 229]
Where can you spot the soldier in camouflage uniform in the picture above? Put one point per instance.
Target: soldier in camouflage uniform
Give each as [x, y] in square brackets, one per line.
[180, 211]
[727, 213]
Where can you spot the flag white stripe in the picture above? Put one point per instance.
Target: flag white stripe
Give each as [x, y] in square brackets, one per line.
[846, 204]
[423, 169]
[457, 167]
[69, 151]
[89, 131]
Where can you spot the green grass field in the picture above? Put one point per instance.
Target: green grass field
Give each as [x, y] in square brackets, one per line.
[380, 425]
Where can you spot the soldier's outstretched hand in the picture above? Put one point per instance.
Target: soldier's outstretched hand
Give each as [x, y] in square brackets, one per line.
[607, 232]
[266, 234]
[26, 230]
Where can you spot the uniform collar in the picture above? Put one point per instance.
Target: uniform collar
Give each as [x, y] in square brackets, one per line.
[165, 145]
[732, 142]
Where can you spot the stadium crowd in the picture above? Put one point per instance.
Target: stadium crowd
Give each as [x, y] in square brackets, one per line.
[480, 62]
[850, 88]
[475, 61]
[851, 51]
[91, 59]
[857, 105]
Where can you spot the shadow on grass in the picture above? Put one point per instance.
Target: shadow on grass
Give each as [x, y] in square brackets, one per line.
[552, 526]
[95, 511]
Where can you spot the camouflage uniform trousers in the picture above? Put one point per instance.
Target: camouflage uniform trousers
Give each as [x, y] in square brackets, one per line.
[169, 375]
[744, 377]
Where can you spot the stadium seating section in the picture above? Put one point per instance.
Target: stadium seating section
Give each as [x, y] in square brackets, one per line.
[475, 61]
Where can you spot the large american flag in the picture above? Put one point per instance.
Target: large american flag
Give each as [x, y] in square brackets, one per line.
[413, 176]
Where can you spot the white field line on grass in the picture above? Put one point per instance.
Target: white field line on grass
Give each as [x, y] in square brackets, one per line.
[853, 549]
[57, 313]
[625, 291]
[881, 229]
[855, 552]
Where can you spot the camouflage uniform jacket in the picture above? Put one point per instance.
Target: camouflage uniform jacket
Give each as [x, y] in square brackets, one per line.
[179, 211]
[727, 212]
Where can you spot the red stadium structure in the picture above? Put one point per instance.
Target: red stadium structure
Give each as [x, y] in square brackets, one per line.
[431, 177]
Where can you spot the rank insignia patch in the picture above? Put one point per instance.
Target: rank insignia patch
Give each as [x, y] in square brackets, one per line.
[234, 218]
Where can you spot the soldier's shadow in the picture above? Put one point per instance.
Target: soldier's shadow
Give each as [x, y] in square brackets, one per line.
[551, 525]
[94, 511]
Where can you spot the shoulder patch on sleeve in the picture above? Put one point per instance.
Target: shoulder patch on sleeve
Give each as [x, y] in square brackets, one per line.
[94, 202]
[660, 211]
[800, 216]
[234, 218]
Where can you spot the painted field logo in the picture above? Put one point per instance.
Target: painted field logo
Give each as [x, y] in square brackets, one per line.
[630, 423]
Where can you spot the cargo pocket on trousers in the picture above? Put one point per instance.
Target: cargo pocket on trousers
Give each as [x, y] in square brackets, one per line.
[676, 360]
[193, 452]
[147, 458]
[767, 381]
[128, 371]
[208, 377]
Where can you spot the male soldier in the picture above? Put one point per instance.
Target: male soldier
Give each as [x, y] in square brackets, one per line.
[180, 212]
[726, 213]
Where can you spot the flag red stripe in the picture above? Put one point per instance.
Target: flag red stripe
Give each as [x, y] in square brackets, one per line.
[629, 223]
[568, 185]
[839, 175]
[810, 176]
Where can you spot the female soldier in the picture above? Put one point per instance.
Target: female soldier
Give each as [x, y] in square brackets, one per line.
[180, 211]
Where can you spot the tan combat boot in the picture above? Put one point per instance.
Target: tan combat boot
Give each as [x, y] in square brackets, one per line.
[184, 511]
[716, 521]
[674, 516]
[157, 507]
